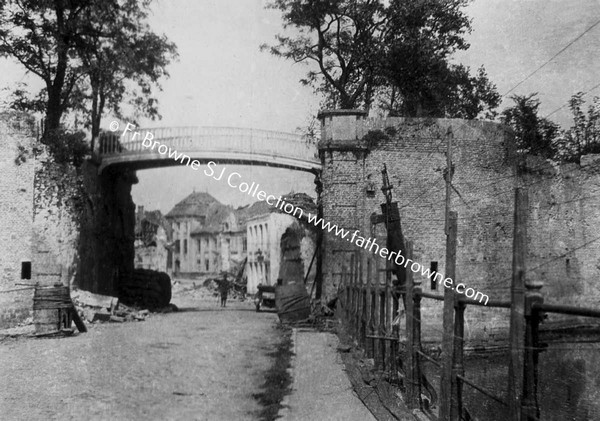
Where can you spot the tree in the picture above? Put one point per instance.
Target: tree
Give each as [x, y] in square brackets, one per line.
[583, 136]
[39, 34]
[121, 58]
[397, 53]
[87, 52]
[534, 134]
[421, 38]
[342, 37]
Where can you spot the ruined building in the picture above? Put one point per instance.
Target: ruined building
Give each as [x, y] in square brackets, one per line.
[205, 235]
[152, 231]
[279, 245]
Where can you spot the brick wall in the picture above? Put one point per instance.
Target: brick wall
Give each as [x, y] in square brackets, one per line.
[413, 150]
[17, 135]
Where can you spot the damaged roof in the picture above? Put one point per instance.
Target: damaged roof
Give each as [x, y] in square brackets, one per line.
[196, 204]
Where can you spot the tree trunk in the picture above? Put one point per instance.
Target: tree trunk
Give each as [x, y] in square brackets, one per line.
[55, 107]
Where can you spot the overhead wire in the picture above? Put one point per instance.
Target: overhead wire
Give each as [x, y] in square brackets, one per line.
[564, 105]
[552, 58]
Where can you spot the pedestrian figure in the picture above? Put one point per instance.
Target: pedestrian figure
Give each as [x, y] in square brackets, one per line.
[223, 290]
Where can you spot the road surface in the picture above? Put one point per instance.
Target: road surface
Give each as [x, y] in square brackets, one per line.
[201, 363]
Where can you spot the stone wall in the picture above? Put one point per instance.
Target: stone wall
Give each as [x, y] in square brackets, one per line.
[84, 226]
[107, 233]
[353, 150]
[17, 136]
[76, 227]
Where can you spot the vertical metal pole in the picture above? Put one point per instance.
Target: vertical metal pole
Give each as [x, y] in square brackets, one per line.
[448, 317]
[517, 309]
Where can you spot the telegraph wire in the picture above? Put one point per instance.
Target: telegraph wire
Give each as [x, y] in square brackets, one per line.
[552, 58]
[563, 106]
[548, 261]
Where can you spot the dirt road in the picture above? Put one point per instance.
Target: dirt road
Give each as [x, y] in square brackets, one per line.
[201, 363]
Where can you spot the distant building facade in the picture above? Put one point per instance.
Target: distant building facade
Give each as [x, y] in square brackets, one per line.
[208, 237]
[279, 246]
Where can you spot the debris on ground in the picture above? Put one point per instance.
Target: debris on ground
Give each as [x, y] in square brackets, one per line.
[208, 289]
[96, 308]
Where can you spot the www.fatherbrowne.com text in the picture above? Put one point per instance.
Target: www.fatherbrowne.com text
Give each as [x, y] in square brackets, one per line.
[234, 180]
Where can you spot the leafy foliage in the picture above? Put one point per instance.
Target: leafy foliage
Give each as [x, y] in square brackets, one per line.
[67, 147]
[342, 37]
[395, 52]
[91, 55]
[534, 134]
[583, 136]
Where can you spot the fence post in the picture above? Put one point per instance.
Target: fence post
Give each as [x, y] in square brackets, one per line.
[369, 308]
[446, 380]
[359, 294]
[377, 318]
[345, 293]
[387, 325]
[517, 306]
[458, 368]
[409, 364]
[530, 405]
[417, 290]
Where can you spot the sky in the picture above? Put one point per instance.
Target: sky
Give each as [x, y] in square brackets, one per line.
[222, 79]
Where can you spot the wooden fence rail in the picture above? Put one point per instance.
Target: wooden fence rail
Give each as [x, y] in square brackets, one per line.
[373, 306]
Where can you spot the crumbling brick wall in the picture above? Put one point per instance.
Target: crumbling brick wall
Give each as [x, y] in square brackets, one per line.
[84, 225]
[76, 227]
[17, 136]
[353, 150]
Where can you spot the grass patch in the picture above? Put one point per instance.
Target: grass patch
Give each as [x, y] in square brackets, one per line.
[278, 381]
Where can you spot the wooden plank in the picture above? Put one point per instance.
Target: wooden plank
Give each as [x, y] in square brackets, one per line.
[87, 298]
[448, 323]
[412, 400]
[517, 309]
[458, 368]
[77, 320]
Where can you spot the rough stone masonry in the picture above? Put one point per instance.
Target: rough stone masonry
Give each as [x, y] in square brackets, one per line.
[562, 217]
[59, 224]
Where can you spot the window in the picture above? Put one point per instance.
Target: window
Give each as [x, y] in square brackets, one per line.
[184, 246]
[202, 219]
[433, 270]
[26, 270]
[244, 244]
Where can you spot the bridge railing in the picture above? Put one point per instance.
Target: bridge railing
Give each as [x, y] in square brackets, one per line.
[217, 139]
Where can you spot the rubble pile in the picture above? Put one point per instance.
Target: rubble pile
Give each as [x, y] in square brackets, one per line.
[95, 308]
[207, 290]
[198, 290]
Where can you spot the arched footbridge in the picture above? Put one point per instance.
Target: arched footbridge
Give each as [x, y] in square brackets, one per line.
[223, 145]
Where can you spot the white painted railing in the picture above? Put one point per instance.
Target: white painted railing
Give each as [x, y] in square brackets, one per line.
[209, 139]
